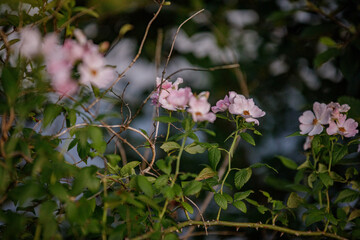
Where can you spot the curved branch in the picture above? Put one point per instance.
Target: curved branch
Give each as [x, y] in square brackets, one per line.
[135, 58]
[238, 225]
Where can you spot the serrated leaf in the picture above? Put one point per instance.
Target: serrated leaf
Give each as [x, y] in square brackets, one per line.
[220, 200]
[240, 205]
[339, 153]
[241, 177]
[313, 218]
[242, 195]
[287, 162]
[169, 146]
[354, 214]
[164, 166]
[145, 185]
[294, 200]
[295, 134]
[187, 207]
[128, 169]
[205, 174]
[194, 148]
[347, 195]
[214, 157]
[247, 137]
[192, 188]
[326, 179]
[229, 199]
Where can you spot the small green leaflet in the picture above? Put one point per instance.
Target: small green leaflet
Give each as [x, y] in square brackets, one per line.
[168, 146]
[287, 162]
[247, 137]
[220, 200]
[242, 177]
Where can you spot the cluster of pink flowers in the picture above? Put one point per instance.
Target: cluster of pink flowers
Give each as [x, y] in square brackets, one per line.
[238, 104]
[173, 98]
[63, 62]
[332, 114]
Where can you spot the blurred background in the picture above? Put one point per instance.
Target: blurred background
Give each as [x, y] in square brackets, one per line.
[291, 54]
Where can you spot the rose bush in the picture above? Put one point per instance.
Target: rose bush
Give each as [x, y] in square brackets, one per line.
[50, 187]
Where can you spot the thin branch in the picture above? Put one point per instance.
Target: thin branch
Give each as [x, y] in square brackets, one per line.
[174, 40]
[238, 225]
[202, 217]
[211, 69]
[135, 58]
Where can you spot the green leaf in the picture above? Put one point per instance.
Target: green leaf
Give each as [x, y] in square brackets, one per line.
[242, 195]
[59, 191]
[323, 57]
[161, 181]
[71, 117]
[347, 195]
[258, 165]
[229, 199]
[145, 185]
[354, 214]
[10, 81]
[96, 136]
[205, 174]
[326, 179]
[128, 169]
[169, 146]
[168, 192]
[113, 159]
[313, 217]
[164, 166]
[194, 148]
[247, 137]
[50, 113]
[166, 119]
[220, 200]
[287, 162]
[214, 157]
[328, 42]
[241, 177]
[170, 236]
[187, 207]
[339, 153]
[240, 205]
[294, 200]
[305, 165]
[192, 188]
[295, 134]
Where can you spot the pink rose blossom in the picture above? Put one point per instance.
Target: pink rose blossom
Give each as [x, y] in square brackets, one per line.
[30, 42]
[312, 124]
[246, 108]
[337, 109]
[221, 105]
[199, 108]
[161, 95]
[93, 70]
[179, 98]
[343, 126]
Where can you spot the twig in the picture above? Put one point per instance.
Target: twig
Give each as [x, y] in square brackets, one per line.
[135, 58]
[211, 69]
[202, 217]
[238, 225]
[174, 40]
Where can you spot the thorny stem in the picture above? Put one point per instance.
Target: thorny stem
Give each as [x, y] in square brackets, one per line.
[238, 225]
